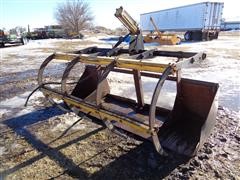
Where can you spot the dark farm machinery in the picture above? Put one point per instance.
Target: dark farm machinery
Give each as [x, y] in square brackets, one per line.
[181, 130]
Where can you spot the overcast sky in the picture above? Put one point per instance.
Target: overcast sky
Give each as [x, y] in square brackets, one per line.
[38, 13]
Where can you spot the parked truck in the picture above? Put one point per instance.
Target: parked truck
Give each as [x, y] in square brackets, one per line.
[199, 21]
[11, 38]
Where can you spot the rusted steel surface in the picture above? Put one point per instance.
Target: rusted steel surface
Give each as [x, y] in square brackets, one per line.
[128, 108]
[102, 82]
[138, 88]
[192, 117]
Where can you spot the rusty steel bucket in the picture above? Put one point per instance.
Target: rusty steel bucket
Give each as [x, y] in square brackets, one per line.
[182, 129]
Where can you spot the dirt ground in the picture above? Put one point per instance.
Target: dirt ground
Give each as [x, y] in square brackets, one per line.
[43, 142]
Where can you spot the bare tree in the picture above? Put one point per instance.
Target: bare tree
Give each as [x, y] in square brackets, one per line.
[73, 15]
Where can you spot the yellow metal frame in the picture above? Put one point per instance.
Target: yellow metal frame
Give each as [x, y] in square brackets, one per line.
[120, 62]
[101, 114]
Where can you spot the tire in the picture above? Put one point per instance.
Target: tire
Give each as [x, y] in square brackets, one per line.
[24, 41]
[197, 35]
[204, 36]
[208, 37]
[2, 44]
[188, 36]
[216, 35]
[212, 36]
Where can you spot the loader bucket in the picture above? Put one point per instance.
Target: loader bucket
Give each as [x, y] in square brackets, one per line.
[182, 129]
[192, 117]
[187, 126]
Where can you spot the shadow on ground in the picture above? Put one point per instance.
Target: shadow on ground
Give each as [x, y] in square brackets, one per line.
[141, 162]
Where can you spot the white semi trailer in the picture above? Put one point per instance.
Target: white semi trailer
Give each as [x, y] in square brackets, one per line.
[199, 21]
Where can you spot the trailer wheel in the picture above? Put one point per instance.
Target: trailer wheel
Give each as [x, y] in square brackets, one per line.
[205, 36]
[2, 44]
[197, 35]
[188, 36]
[216, 35]
[212, 35]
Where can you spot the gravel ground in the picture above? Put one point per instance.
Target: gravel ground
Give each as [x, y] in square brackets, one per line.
[42, 142]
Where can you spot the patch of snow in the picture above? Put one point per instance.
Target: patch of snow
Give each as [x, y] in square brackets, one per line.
[123, 85]
[223, 71]
[9, 106]
[96, 38]
[67, 120]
